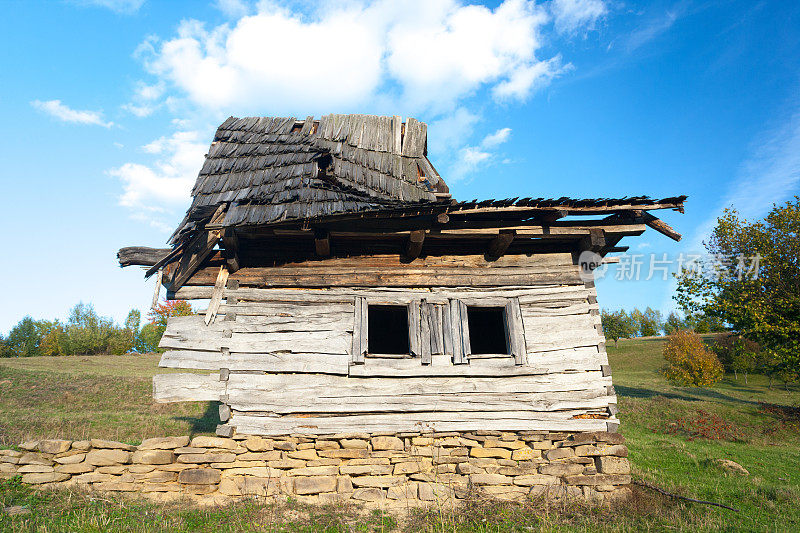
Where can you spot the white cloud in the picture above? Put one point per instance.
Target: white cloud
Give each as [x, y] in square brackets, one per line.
[450, 131]
[654, 28]
[64, 113]
[471, 158]
[770, 175]
[120, 6]
[430, 53]
[145, 99]
[572, 15]
[233, 8]
[528, 79]
[497, 138]
[164, 185]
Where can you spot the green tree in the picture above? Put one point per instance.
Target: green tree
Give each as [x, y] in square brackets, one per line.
[24, 338]
[151, 333]
[752, 284]
[616, 325]
[646, 323]
[134, 320]
[88, 333]
[674, 323]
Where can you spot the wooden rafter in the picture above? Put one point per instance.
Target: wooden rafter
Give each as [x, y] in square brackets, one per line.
[498, 246]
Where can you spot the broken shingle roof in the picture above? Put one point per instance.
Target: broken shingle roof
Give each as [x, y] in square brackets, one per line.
[272, 169]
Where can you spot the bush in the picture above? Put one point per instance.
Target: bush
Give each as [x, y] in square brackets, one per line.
[689, 362]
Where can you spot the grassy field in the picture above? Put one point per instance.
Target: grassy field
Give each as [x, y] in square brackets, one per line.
[675, 435]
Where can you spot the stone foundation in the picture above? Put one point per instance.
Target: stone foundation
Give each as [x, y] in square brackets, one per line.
[403, 469]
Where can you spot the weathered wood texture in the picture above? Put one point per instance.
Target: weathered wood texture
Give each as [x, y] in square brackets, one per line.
[396, 422]
[187, 387]
[391, 270]
[293, 361]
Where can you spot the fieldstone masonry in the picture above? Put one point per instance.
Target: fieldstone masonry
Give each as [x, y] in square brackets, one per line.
[402, 469]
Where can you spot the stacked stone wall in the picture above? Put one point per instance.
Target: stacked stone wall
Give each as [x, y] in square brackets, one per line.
[403, 469]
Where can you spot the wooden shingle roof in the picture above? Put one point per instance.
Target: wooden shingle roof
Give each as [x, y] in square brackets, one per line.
[273, 169]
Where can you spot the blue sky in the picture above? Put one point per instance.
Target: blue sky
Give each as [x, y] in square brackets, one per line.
[109, 105]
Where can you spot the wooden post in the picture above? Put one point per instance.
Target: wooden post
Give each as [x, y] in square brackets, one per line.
[216, 295]
[231, 243]
[322, 243]
[157, 292]
[414, 244]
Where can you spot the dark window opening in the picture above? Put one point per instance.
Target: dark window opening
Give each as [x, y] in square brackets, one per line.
[487, 330]
[388, 329]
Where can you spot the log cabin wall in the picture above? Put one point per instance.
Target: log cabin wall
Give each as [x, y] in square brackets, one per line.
[294, 358]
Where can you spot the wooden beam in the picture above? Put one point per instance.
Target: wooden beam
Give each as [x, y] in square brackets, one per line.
[322, 242]
[595, 241]
[442, 218]
[660, 226]
[552, 216]
[140, 255]
[198, 249]
[499, 245]
[231, 243]
[414, 244]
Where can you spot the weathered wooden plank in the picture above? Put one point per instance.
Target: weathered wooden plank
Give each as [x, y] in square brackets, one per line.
[426, 337]
[529, 295]
[397, 124]
[316, 363]
[216, 295]
[257, 425]
[568, 339]
[348, 387]
[157, 291]
[539, 363]
[463, 315]
[372, 277]
[456, 333]
[360, 343]
[516, 330]
[330, 342]
[437, 329]
[278, 324]
[285, 403]
[187, 387]
[447, 332]
[304, 310]
[414, 328]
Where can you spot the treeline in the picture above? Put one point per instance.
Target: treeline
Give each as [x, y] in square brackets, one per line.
[650, 322]
[87, 333]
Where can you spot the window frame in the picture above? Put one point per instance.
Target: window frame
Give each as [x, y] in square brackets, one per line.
[440, 329]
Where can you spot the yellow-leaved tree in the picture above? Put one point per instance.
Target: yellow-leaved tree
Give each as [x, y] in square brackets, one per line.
[689, 362]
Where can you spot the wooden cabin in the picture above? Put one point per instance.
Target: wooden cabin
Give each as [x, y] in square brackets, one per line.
[348, 292]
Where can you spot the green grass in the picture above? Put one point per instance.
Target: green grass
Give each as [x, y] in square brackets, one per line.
[674, 435]
[106, 397]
